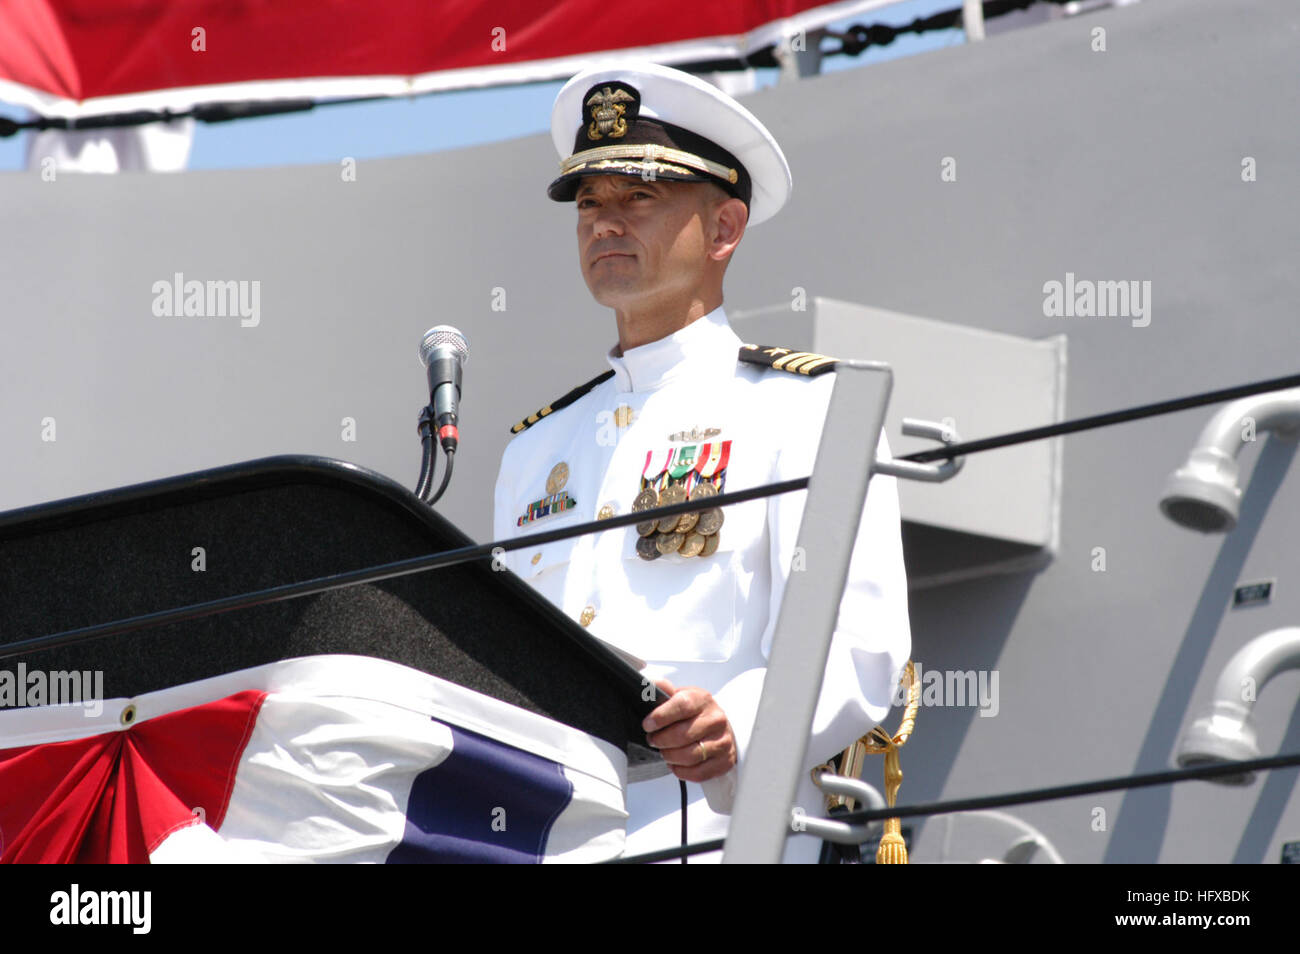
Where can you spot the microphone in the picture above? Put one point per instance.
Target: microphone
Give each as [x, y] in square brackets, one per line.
[443, 353]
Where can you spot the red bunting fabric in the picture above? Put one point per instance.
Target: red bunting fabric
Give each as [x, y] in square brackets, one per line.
[74, 58]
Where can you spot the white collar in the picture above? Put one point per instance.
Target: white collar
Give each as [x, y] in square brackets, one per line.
[705, 346]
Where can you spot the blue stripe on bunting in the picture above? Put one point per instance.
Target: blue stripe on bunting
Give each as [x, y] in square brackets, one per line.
[451, 816]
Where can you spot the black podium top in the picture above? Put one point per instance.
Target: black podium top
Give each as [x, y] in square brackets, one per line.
[121, 553]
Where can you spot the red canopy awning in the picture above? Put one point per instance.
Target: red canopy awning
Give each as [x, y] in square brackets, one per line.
[75, 58]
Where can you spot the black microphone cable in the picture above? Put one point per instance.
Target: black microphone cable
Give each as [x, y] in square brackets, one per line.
[682, 783]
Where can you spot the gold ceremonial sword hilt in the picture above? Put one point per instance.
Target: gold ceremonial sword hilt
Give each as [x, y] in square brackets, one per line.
[893, 849]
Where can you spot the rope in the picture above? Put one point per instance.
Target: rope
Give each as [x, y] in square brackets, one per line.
[1104, 420]
[466, 554]
[1026, 797]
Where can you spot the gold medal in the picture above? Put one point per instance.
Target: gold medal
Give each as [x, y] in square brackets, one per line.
[646, 500]
[669, 542]
[693, 544]
[556, 481]
[646, 549]
[672, 494]
[704, 489]
[689, 520]
[710, 520]
[710, 545]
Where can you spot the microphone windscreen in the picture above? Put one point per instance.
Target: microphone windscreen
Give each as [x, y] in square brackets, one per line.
[443, 336]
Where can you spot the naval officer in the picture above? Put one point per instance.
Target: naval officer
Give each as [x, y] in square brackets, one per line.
[666, 173]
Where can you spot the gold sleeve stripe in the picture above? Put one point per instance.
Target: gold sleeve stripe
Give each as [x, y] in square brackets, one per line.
[792, 362]
[784, 359]
[560, 403]
[806, 363]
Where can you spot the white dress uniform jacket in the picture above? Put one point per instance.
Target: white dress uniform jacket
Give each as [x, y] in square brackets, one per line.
[709, 621]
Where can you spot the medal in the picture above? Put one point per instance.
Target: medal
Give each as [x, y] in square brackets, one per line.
[693, 545]
[645, 500]
[712, 466]
[710, 521]
[557, 500]
[672, 494]
[648, 498]
[558, 478]
[687, 521]
[646, 549]
[680, 466]
[693, 472]
[668, 542]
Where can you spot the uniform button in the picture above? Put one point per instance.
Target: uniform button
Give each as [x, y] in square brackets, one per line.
[623, 416]
[606, 512]
[536, 557]
[588, 614]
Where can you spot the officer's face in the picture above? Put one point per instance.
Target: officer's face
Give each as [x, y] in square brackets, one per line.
[642, 243]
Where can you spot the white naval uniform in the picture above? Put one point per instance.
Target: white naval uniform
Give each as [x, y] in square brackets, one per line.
[708, 621]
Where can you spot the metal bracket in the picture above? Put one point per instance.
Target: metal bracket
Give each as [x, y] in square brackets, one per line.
[853, 788]
[842, 833]
[932, 473]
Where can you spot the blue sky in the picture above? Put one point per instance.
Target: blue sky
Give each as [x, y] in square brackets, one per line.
[447, 120]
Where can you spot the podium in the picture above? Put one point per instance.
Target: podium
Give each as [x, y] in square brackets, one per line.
[250, 526]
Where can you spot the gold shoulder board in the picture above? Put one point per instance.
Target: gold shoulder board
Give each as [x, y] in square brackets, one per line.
[783, 359]
[561, 402]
